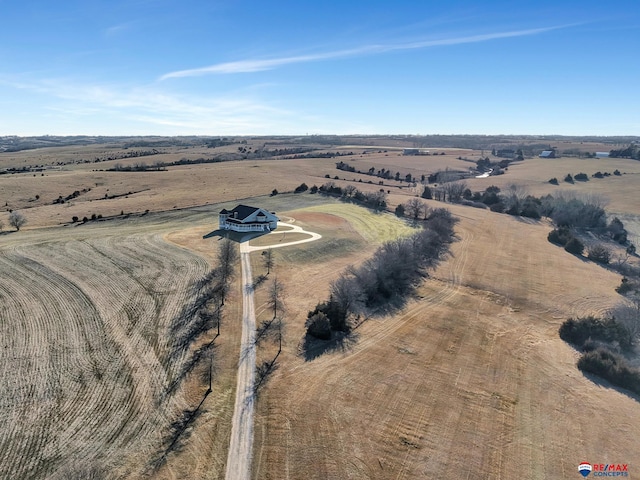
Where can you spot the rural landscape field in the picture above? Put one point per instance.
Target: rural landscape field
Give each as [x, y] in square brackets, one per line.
[117, 364]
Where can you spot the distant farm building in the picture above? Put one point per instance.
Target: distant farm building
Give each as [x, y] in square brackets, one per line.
[548, 154]
[602, 154]
[244, 218]
[415, 151]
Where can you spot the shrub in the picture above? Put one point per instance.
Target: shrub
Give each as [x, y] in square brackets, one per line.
[301, 188]
[399, 211]
[336, 316]
[274, 192]
[581, 177]
[560, 236]
[318, 326]
[553, 181]
[490, 196]
[568, 178]
[17, 220]
[574, 246]
[627, 286]
[530, 208]
[598, 175]
[93, 216]
[617, 172]
[574, 212]
[612, 367]
[85, 219]
[617, 231]
[599, 253]
[74, 219]
[578, 331]
[497, 207]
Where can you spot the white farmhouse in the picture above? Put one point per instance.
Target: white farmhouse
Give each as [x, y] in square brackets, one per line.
[247, 219]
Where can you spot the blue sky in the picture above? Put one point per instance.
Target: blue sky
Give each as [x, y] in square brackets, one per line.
[163, 67]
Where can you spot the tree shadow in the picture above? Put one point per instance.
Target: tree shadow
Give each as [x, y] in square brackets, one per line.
[216, 233]
[264, 372]
[238, 237]
[178, 433]
[312, 348]
[394, 304]
[603, 383]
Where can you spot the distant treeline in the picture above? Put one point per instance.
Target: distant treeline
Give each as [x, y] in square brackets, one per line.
[162, 166]
[320, 155]
[476, 142]
[632, 152]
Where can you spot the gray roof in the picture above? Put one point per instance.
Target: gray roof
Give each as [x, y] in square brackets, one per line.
[243, 211]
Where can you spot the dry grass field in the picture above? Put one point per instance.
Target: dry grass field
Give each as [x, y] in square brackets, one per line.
[469, 380]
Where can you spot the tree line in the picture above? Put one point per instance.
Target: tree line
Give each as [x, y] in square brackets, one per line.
[385, 280]
[374, 200]
[632, 151]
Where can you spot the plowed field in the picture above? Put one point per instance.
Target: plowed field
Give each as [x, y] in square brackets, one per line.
[87, 354]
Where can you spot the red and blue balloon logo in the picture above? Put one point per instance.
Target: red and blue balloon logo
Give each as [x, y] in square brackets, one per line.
[584, 468]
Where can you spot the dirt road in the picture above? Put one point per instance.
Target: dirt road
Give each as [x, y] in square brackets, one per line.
[241, 446]
[239, 458]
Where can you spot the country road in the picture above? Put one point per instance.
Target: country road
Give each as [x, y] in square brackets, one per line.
[241, 445]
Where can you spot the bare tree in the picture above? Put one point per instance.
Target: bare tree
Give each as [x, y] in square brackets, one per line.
[377, 200]
[275, 297]
[17, 220]
[349, 191]
[414, 208]
[628, 315]
[513, 197]
[447, 176]
[227, 258]
[268, 259]
[275, 301]
[454, 190]
[347, 293]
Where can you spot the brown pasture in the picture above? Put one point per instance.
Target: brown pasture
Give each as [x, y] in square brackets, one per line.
[469, 380]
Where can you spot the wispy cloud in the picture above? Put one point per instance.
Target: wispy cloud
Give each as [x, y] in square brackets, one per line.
[116, 29]
[230, 113]
[257, 65]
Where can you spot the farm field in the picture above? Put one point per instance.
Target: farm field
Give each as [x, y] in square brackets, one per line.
[90, 358]
[469, 379]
